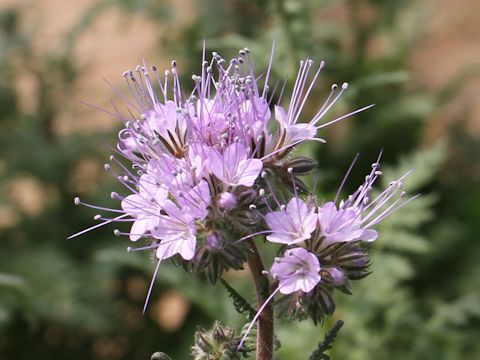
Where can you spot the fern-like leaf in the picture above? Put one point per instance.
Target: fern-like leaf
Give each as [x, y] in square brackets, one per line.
[326, 344]
[240, 304]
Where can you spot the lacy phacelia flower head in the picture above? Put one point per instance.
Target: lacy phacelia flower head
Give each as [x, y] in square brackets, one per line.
[195, 189]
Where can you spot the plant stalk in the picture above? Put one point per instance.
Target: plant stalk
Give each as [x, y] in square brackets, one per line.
[265, 328]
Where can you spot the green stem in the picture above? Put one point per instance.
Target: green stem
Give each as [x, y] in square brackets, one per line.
[265, 327]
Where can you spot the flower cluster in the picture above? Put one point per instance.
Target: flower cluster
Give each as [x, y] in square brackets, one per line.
[205, 172]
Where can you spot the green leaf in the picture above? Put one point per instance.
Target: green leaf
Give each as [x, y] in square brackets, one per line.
[241, 305]
[326, 344]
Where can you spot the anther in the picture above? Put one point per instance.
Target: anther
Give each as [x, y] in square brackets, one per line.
[261, 192]
[107, 167]
[76, 201]
[252, 206]
[344, 85]
[97, 217]
[290, 170]
[116, 232]
[334, 86]
[129, 249]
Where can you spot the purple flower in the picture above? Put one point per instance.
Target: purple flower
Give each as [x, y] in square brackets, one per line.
[352, 219]
[293, 224]
[339, 225]
[297, 270]
[293, 132]
[176, 232]
[196, 200]
[233, 166]
[145, 206]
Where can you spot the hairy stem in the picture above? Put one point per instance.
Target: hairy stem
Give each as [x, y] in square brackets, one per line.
[265, 321]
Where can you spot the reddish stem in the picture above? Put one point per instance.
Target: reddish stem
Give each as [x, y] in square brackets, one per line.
[265, 321]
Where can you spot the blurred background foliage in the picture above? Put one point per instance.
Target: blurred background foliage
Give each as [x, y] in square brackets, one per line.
[82, 299]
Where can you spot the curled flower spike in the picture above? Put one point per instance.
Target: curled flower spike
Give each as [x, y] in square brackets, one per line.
[353, 218]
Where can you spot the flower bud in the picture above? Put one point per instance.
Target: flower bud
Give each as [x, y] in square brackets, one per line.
[334, 276]
[215, 241]
[300, 165]
[160, 356]
[227, 201]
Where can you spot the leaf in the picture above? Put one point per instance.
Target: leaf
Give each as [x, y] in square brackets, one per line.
[241, 305]
[326, 344]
